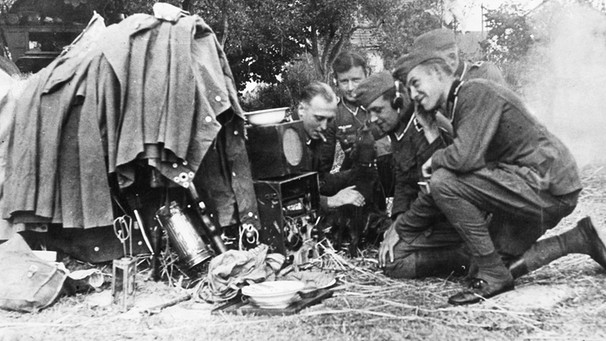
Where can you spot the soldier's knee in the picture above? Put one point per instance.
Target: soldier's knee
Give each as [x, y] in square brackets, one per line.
[403, 267]
[442, 182]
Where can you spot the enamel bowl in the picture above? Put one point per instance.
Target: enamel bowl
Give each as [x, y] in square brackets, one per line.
[273, 294]
[267, 116]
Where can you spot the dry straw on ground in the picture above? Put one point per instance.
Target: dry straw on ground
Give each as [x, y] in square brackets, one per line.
[366, 305]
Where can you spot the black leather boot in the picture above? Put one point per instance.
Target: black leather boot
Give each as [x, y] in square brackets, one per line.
[493, 278]
[585, 238]
[426, 263]
[444, 262]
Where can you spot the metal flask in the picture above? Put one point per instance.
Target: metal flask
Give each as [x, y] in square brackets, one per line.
[184, 237]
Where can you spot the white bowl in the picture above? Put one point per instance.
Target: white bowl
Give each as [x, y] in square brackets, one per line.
[267, 116]
[274, 294]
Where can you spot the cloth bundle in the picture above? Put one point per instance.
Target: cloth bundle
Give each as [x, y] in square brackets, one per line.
[28, 282]
[230, 271]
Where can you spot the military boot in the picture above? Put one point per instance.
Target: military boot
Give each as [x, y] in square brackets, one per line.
[585, 238]
[426, 263]
[493, 278]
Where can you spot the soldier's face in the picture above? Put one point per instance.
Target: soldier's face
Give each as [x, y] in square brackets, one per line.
[316, 114]
[426, 86]
[384, 115]
[349, 80]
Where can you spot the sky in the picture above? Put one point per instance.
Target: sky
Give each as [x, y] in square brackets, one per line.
[469, 12]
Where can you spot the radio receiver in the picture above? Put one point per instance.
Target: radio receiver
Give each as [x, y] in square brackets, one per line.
[277, 150]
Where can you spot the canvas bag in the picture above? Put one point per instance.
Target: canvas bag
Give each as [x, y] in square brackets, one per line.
[27, 283]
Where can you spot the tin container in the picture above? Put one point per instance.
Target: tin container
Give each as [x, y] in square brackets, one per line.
[124, 273]
[183, 235]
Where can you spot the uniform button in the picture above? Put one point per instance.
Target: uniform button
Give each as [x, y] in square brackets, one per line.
[96, 248]
[208, 119]
[235, 132]
[250, 214]
[218, 98]
[233, 174]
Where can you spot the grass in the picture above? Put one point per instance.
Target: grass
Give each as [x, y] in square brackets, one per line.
[365, 306]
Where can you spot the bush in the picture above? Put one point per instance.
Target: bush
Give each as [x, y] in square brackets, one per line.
[287, 91]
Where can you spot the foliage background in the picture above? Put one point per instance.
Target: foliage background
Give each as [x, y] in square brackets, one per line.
[283, 44]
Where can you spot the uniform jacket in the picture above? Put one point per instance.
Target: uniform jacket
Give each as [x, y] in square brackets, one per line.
[330, 183]
[410, 151]
[493, 128]
[343, 130]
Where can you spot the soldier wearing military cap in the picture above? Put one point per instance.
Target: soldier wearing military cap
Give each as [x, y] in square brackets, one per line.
[443, 41]
[440, 252]
[419, 254]
[502, 183]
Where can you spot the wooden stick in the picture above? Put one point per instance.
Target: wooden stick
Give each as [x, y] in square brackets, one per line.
[157, 308]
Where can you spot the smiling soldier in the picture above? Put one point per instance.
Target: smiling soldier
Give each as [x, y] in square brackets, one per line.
[503, 182]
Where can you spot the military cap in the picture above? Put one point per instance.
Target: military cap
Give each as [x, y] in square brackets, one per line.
[372, 87]
[436, 40]
[409, 61]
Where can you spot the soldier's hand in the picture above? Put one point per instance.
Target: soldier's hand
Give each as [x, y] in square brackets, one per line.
[347, 196]
[426, 169]
[390, 239]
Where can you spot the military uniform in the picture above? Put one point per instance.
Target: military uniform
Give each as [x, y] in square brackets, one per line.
[514, 169]
[343, 130]
[507, 180]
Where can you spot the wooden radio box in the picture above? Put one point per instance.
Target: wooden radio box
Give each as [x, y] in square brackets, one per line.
[277, 150]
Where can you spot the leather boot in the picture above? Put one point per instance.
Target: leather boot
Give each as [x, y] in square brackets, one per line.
[493, 278]
[443, 262]
[426, 263]
[585, 238]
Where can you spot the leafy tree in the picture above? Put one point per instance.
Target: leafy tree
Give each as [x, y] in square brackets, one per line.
[262, 38]
[402, 23]
[508, 41]
[510, 35]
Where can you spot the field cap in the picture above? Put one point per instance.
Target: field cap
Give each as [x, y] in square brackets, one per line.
[372, 87]
[409, 61]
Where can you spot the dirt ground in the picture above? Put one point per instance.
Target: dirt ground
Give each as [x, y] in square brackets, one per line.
[565, 300]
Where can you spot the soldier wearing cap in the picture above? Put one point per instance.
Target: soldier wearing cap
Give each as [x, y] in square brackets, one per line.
[443, 42]
[438, 251]
[420, 253]
[502, 183]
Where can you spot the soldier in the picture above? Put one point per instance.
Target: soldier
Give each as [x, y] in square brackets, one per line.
[349, 69]
[502, 183]
[437, 250]
[316, 109]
